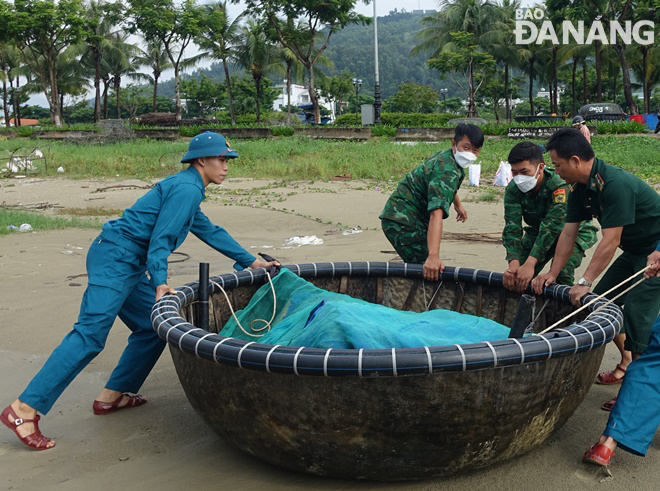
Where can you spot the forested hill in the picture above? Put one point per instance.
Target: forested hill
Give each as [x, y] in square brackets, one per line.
[352, 49]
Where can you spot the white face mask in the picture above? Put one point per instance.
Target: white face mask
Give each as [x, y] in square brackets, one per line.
[526, 183]
[465, 158]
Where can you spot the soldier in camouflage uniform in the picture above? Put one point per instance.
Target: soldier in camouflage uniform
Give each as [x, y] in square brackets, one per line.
[539, 197]
[412, 217]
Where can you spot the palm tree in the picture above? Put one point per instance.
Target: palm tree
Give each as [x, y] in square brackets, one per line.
[101, 19]
[221, 39]
[477, 17]
[118, 61]
[157, 60]
[258, 56]
[500, 42]
[8, 55]
[577, 53]
[72, 75]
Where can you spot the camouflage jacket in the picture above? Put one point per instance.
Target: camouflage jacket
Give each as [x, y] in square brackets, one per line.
[429, 187]
[545, 214]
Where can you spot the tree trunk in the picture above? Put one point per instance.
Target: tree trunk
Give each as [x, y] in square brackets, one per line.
[555, 93]
[155, 102]
[257, 83]
[627, 90]
[230, 96]
[599, 75]
[55, 108]
[106, 82]
[288, 91]
[573, 88]
[313, 97]
[18, 100]
[13, 100]
[177, 91]
[507, 104]
[4, 99]
[118, 95]
[97, 85]
[531, 88]
[645, 82]
[472, 109]
[62, 106]
[584, 82]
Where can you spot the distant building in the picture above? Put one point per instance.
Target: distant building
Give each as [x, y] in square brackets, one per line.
[546, 94]
[299, 97]
[24, 122]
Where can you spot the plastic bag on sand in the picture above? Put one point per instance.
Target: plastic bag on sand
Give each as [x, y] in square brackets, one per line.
[474, 174]
[503, 175]
[25, 227]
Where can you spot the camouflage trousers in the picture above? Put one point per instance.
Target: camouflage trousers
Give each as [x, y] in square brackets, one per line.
[409, 243]
[567, 274]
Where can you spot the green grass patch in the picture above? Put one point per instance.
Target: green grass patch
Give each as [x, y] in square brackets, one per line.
[302, 158]
[39, 221]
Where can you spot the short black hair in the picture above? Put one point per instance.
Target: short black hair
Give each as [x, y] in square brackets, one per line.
[568, 142]
[526, 151]
[472, 131]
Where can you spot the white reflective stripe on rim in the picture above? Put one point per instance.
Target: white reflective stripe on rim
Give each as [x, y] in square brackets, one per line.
[185, 334]
[577, 344]
[325, 362]
[167, 334]
[522, 350]
[295, 360]
[268, 357]
[360, 362]
[315, 270]
[428, 356]
[199, 341]
[215, 348]
[240, 353]
[333, 269]
[494, 354]
[394, 362]
[462, 356]
[546, 342]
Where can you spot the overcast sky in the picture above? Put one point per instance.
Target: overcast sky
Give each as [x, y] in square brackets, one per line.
[383, 7]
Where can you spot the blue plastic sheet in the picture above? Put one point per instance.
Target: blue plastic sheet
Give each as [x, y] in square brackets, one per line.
[315, 318]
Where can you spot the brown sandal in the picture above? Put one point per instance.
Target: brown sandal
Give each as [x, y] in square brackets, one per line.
[608, 378]
[36, 440]
[101, 408]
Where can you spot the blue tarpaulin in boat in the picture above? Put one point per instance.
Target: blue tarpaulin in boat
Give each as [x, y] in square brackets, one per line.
[315, 318]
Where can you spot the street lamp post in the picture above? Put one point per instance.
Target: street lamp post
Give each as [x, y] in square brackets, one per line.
[443, 93]
[357, 83]
[377, 100]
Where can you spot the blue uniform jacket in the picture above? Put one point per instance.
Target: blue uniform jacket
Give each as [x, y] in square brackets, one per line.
[160, 220]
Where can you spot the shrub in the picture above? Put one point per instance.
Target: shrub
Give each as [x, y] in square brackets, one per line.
[402, 120]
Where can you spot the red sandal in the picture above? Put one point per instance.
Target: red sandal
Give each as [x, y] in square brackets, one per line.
[36, 440]
[608, 378]
[609, 405]
[101, 408]
[598, 454]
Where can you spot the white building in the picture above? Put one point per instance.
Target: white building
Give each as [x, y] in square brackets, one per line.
[299, 97]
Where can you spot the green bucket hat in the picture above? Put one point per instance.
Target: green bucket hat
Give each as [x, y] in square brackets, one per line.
[208, 144]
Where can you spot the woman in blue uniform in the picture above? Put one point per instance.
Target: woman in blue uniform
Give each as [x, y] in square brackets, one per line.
[635, 417]
[117, 264]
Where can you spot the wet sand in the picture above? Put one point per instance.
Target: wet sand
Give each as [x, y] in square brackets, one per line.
[164, 444]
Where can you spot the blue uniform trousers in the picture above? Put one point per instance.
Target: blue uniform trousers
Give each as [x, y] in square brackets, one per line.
[636, 415]
[118, 285]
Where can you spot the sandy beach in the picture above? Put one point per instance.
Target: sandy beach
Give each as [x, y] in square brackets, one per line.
[165, 445]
